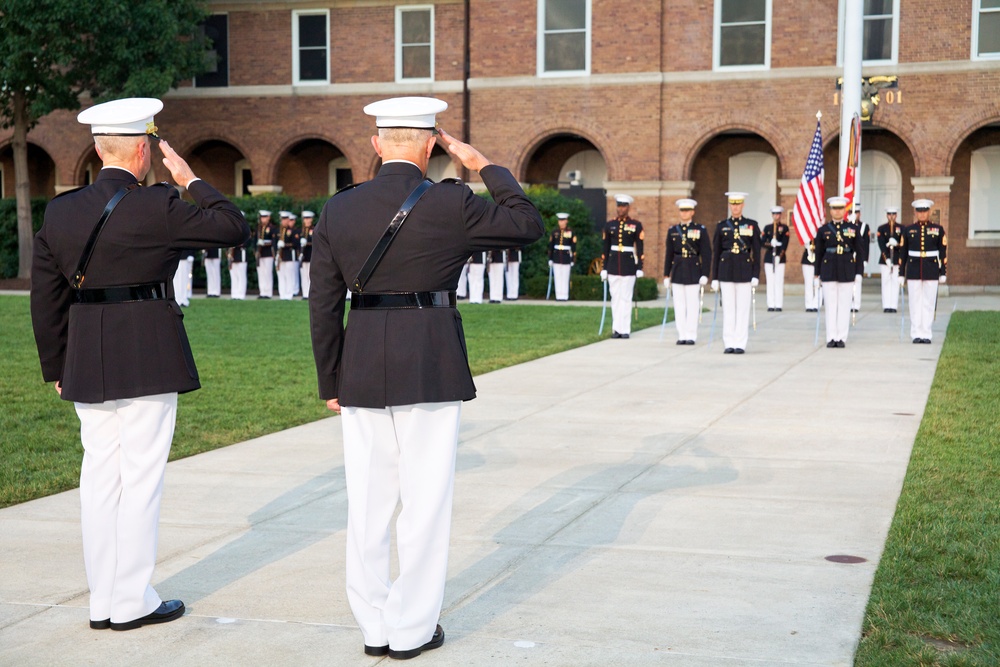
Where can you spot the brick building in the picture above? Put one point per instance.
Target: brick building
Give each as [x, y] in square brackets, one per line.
[660, 100]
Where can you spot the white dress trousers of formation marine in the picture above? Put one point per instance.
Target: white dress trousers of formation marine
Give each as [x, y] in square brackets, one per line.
[687, 305]
[496, 273]
[213, 276]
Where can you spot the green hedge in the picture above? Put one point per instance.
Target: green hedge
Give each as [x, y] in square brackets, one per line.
[587, 288]
[8, 232]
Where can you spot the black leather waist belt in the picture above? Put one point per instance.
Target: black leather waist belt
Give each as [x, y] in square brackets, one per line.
[400, 300]
[122, 294]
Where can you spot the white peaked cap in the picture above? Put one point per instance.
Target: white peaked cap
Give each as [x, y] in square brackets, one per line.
[736, 197]
[686, 203]
[836, 202]
[308, 214]
[624, 199]
[132, 116]
[562, 216]
[777, 209]
[415, 112]
[263, 212]
[891, 209]
[923, 203]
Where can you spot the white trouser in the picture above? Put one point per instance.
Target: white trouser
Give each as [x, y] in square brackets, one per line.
[213, 275]
[513, 278]
[736, 304]
[686, 307]
[856, 294]
[463, 282]
[808, 273]
[181, 283]
[496, 281]
[399, 454]
[476, 272]
[286, 279]
[837, 302]
[923, 298]
[621, 288]
[238, 280]
[125, 444]
[560, 279]
[890, 286]
[304, 279]
[775, 285]
[265, 276]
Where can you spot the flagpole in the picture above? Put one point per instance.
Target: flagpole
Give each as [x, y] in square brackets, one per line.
[850, 90]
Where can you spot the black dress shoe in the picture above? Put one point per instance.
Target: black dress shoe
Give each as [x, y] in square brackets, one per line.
[778, 310]
[831, 343]
[925, 341]
[728, 350]
[100, 625]
[615, 334]
[436, 640]
[738, 350]
[166, 612]
[626, 336]
[917, 341]
[770, 310]
[887, 310]
[854, 310]
[689, 342]
[841, 343]
[377, 650]
[682, 342]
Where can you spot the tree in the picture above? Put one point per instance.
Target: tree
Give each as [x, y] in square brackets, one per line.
[55, 51]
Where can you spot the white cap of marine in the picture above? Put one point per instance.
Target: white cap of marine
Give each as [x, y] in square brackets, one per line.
[836, 202]
[413, 112]
[132, 116]
[777, 209]
[684, 204]
[624, 199]
[263, 212]
[562, 216]
[736, 197]
[922, 203]
[891, 209]
[308, 214]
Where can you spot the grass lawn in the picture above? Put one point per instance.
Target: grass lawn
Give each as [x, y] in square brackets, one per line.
[257, 375]
[936, 595]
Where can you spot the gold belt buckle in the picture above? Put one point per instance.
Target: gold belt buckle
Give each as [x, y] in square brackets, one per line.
[735, 250]
[840, 250]
[620, 247]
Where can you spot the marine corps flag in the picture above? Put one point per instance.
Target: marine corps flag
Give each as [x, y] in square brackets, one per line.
[853, 154]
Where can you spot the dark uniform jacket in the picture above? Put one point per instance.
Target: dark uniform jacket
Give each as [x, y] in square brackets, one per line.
[307, 249]
[269, 235]
[889, 255]
[477, 258]
[562, 246]
[495, 257]
[212, 253]
[688, 253]
[290, 247]
[110, 351]
[838, 251]
[864, 246]
[618, 236]
[400, 357]
[923, 252]
[765, 241]
[736, 251]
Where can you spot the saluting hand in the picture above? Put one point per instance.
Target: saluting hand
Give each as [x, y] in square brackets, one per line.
[179, 169]
[469, 156]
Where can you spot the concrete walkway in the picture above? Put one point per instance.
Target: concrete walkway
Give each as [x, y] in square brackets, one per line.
[627, 503]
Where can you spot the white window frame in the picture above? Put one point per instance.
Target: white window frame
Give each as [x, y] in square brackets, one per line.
[540, 44]
[296, 13]
[400, 10]
[977, 9]
[717, 42]
[893, 59]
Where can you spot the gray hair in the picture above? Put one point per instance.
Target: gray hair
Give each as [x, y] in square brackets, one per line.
[119, 147]
[403, 135]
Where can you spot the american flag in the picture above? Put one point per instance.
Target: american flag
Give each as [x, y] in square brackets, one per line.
[808, 211]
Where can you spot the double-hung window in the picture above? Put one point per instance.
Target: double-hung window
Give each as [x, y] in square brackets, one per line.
[985, 29]
[414, 43]
[880, 32]
[310, 47]
[742, 34]
[563, 37]
[216, 74]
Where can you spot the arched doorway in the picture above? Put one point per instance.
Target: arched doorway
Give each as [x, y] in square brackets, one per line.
[41, 172]
[216, 161]
[574, 166]
[973, 223]
[313, 168]
[881, 186]
[740, 161]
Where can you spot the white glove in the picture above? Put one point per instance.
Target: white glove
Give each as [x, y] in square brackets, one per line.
[892, 242]
[303, 242]
[190, 258]
[715, 285]
[943, 279]
[775, 243]
[604, 275]
[638, 273]
[260, 242]
[281, 244]
[703, 280]
[902, 280]
[754, 282]
[551, 263]
[666, 281]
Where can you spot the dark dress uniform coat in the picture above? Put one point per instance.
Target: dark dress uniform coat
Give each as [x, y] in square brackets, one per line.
[405, 356]
[688, 253]
[736, 251]
[307, 249]
[565, 238]
[888, 255]
[623, 233]
[269, 235]
[290, 251]
[930, 247]
[765, 241]
[838, 252]
[110, 351]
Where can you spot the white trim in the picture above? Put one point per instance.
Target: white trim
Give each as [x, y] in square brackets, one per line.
[717, 41]
[980, 213]
[893, 59]
[540, 44]
[400, 10]
[296, 13]
[977, 9]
